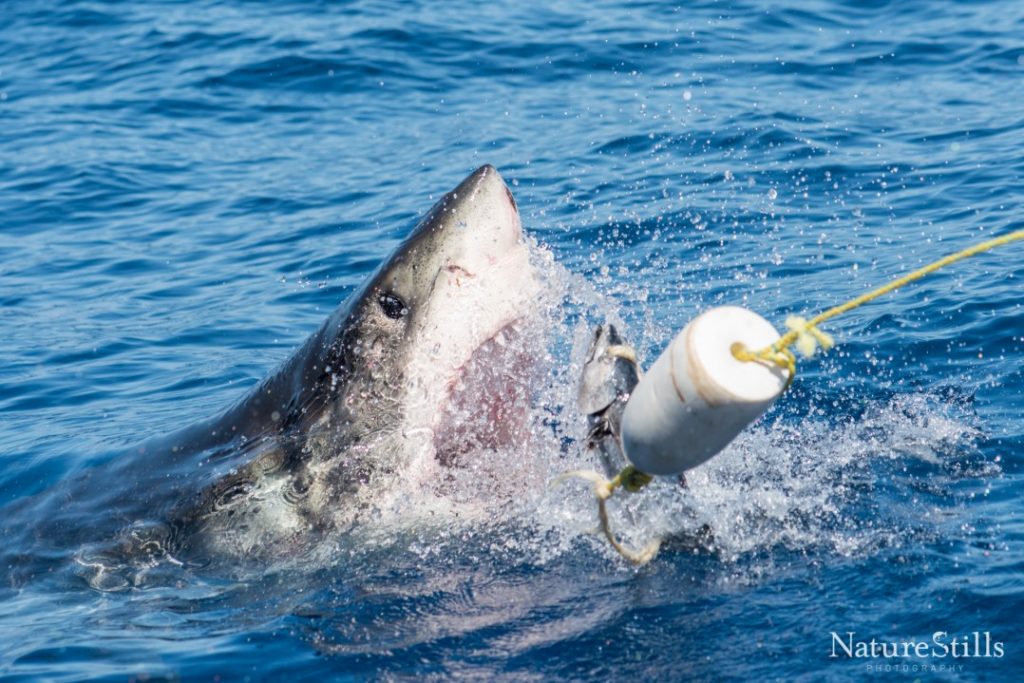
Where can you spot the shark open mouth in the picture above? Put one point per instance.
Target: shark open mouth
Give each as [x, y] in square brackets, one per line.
[487, 407]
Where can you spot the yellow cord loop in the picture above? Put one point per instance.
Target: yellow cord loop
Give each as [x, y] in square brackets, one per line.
[806, 335]
[783, 358]
[631, 479]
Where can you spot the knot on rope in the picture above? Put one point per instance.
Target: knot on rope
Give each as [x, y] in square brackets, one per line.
[631, 479]
[808, 336]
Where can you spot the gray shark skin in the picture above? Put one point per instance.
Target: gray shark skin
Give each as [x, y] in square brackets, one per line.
[372, 393]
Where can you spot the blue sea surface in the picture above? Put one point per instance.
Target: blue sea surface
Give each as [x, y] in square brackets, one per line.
[188, 189]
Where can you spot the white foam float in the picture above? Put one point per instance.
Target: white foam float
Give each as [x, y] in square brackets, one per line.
[697, 397]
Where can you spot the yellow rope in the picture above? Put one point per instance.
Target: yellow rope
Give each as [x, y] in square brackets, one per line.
[806, 335]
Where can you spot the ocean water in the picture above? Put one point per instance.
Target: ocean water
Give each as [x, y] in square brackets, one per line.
[188, 189]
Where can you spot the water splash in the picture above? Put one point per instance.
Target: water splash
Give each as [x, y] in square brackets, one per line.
[800, 484]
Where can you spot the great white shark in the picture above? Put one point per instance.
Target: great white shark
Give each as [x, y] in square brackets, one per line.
[411, 367]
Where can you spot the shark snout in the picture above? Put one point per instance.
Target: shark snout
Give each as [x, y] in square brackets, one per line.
[486, 192]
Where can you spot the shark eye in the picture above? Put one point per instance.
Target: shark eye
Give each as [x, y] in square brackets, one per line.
[392, 306]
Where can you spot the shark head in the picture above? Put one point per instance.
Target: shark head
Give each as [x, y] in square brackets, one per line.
[448, 299]
[418, 365]
[422, 359]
